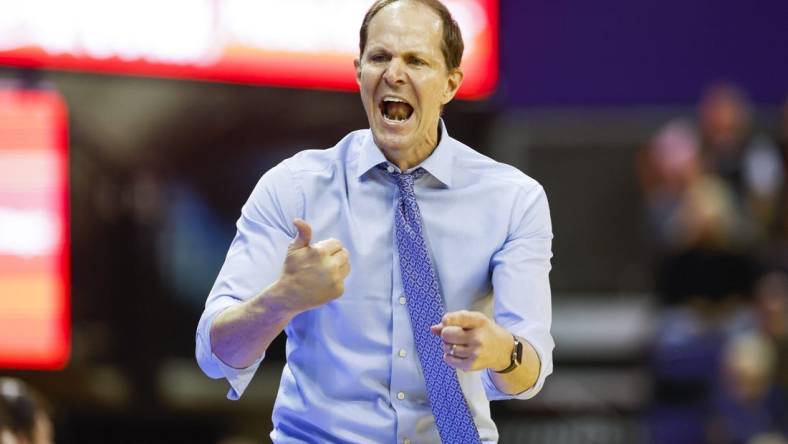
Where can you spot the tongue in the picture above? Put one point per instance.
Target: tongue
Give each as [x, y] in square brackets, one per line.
[398, 110]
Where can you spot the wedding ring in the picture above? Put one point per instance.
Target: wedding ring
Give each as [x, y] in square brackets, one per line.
[451, 350]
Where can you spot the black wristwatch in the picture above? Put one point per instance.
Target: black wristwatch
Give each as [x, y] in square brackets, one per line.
[517, 356]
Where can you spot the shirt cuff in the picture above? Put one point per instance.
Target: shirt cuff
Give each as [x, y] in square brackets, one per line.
[238, 379]
[540, 343]
[213, 366]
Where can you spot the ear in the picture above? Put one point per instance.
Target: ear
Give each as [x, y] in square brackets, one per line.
[357, 64]
[452, 85]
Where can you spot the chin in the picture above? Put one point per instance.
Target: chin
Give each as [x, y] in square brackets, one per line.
[391, 143]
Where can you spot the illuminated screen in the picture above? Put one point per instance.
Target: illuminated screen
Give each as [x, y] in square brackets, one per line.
[294, 43]
[34, 283]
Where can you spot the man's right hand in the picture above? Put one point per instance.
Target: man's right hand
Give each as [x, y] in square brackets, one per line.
[313, 274]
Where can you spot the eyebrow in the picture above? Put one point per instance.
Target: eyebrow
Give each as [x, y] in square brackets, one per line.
[411, 53]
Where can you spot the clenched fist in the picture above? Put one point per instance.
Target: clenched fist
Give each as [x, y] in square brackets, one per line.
[472, 341]
[313, 274]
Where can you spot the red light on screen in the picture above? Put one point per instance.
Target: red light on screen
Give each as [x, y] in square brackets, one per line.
[34, 268]
[301, 43]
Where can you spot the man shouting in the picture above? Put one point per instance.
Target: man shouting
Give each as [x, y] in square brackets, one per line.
[371, 254]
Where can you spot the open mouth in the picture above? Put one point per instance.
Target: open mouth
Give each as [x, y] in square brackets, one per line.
[395, 109]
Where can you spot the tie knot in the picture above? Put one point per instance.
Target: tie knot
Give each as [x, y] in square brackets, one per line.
[403, 179]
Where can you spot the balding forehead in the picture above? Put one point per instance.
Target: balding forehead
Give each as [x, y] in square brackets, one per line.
[406, 24]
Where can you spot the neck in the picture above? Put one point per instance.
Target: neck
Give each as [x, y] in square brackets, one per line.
[409, 158]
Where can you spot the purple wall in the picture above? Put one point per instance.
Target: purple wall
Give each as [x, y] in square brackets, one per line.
[621, 52]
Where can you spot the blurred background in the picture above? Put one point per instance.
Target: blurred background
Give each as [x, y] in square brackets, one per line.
[129, 139]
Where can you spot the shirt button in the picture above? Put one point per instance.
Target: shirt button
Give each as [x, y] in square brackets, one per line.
[402, 353]
[390, 169]
[400, 396]
[402, 300]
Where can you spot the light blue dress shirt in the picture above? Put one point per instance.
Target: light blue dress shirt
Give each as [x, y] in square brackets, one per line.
[352, 372]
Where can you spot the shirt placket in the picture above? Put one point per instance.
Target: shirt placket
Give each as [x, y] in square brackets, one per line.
[404, 362]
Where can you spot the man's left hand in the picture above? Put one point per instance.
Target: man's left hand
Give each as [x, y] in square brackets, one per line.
[472, 341]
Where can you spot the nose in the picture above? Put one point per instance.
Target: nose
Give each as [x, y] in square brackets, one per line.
[395, 72]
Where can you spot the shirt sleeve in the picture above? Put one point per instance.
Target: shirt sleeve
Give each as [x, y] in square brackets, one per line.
[521, 285]
[254, 261]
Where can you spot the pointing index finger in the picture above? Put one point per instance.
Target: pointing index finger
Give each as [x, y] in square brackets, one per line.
[465, 319]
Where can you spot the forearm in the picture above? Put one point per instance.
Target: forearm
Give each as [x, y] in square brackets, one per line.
[521, 378]
[242, 333]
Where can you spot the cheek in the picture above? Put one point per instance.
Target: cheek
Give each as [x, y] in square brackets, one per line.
[431, 94]
[367, 94]
[367, 87]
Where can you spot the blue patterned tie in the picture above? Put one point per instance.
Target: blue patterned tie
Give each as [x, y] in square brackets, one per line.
[452, 415]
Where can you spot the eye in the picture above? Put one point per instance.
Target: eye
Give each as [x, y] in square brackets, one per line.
[417, 61]
[378, 57]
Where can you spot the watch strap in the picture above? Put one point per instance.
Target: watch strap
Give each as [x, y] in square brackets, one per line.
[516, 356]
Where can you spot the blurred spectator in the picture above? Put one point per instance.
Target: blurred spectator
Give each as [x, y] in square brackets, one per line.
[725, 115]
[751, 165]
[668, 167]
[28, 419]
[771, 307]
[693, 221]
[686, 353]
[748, 405]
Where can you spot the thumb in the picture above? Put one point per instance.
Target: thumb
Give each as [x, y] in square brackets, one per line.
[304, 234]
[437, 329]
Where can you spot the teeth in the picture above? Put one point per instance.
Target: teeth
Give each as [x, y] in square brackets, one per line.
[398, 113]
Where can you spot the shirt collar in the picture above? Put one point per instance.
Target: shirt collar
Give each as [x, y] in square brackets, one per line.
[438, 164]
